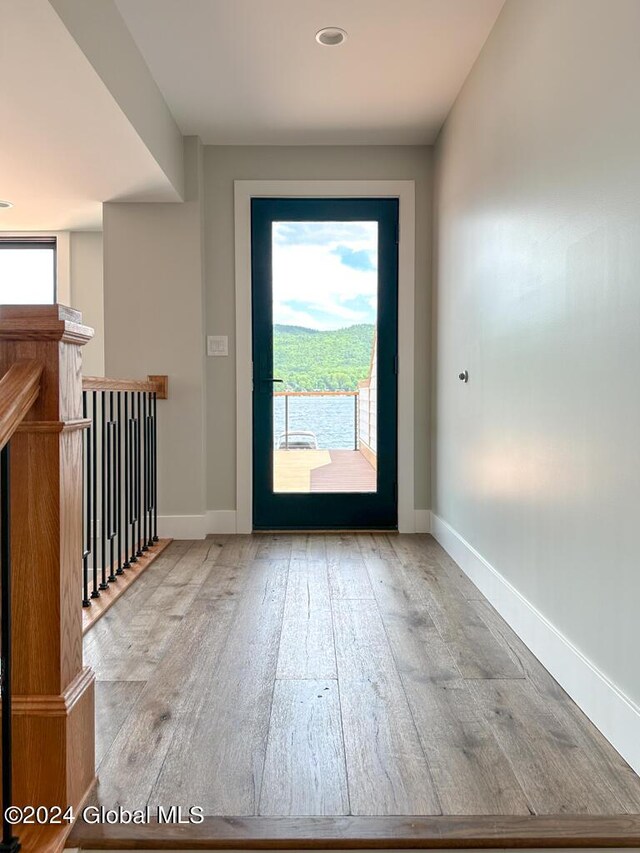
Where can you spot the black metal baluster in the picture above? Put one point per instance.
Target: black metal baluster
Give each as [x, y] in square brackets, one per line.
[133, 460]
[86, 501]
[120, 569]
[134, 492]
[145, 473]
[139, 477]
[133, 487]
[155, 468]
[127, 463]
[111, 487]
[10, 843]
[149, 473]
[103, 514]
[95, 592]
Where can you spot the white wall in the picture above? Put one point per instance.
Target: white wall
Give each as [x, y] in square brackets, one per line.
[153, 278]
[537, 458]
[159, 302]
[223, 165]
[87, 294]
[103, 37]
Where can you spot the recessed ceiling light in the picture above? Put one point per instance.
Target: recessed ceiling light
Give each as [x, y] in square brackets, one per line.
[5, 203]
[331, 36]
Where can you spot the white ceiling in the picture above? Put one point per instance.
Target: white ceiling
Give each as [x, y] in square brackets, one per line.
[65, 144]
[250, 71]
[232, 72]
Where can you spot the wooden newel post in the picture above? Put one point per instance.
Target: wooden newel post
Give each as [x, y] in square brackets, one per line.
[53, 705]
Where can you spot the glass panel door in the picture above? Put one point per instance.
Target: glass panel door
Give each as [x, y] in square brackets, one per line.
[325, 305]
[324, 349]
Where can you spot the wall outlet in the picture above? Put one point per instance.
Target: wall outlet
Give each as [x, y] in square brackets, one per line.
[217, 345]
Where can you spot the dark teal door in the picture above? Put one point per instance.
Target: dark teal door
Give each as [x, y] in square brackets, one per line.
[325, 320]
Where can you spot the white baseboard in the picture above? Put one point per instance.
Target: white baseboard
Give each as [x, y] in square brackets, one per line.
[197, 526]
[181, 526]
[221, 521]
[613, 713]
[423, 520]
[225, 521]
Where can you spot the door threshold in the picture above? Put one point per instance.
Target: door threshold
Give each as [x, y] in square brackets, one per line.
[295, 530]
[452, 832]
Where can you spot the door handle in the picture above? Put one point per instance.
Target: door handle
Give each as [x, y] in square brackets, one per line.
[271, 379]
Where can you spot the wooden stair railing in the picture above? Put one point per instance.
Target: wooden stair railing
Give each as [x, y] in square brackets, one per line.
[158, 385]
[19, 388]
[53, 693]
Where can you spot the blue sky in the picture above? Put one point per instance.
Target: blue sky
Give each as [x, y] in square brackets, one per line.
[320, 233]
[324, 273]
[357, 259]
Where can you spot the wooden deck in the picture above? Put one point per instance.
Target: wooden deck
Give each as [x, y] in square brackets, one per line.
[304, 471]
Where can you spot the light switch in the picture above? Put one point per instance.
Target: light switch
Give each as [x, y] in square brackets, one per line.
[217, 345]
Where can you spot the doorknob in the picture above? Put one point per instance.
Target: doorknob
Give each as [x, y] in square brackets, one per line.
[464, 376]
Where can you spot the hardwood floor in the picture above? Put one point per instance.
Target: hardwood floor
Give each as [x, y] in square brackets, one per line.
[326, 675]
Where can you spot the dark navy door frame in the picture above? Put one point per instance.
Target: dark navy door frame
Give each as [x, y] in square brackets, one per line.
[291, 511]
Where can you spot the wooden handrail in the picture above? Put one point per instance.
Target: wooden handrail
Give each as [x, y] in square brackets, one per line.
[315, 394]
[19, 389]
[154, 384]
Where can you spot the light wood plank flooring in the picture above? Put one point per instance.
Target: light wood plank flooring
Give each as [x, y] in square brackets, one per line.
[294, 675]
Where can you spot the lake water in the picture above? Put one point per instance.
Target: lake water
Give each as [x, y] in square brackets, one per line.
[330, 418]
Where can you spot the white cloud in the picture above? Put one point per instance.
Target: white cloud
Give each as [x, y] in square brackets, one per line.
[317, 278]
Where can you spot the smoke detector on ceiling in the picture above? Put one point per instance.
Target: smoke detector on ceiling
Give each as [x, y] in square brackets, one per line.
[331, 36]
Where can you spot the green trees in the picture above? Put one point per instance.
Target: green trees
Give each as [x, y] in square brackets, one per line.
[312, 360]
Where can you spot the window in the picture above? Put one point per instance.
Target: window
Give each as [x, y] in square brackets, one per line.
[27, 271]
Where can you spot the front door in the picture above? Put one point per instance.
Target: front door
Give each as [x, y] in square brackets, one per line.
[325, 318]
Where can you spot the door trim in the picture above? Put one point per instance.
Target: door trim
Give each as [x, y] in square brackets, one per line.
[404, 191]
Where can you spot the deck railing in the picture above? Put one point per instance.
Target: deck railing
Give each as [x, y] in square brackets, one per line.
[120, 483]
[288, 394]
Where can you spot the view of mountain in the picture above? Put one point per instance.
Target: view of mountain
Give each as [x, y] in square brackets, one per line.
[313, 360]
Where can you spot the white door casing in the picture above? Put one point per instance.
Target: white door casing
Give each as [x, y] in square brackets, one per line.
[404, 191]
